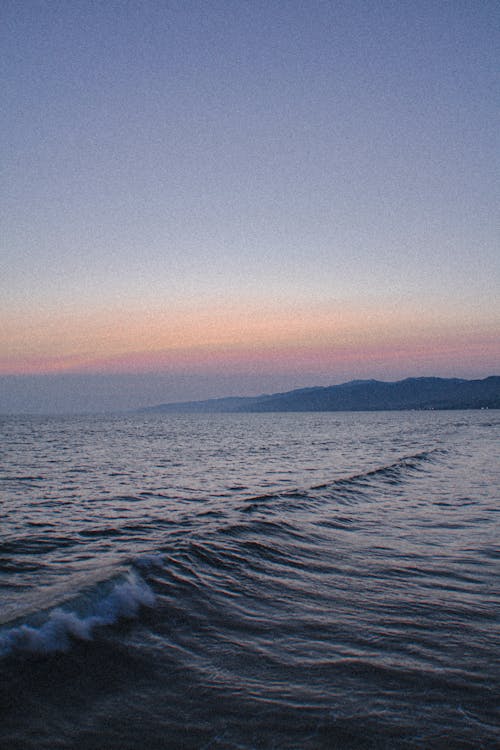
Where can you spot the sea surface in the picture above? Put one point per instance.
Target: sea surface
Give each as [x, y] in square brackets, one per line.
[250, 581]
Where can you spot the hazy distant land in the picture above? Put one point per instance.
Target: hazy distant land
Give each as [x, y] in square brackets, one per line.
[358, 395]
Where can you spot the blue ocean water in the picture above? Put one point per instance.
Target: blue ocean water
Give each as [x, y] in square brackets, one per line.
[250, 581]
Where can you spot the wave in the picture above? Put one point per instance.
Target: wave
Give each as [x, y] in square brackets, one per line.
[112, 601]
[344, 487]
[29, 545]
[391, 472]
[63, 626]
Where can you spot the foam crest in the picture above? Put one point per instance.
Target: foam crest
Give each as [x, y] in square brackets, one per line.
[63, 626]
[150, 562]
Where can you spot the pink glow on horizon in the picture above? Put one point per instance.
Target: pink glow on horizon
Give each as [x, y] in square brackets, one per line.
[241, 339]
[480, 351]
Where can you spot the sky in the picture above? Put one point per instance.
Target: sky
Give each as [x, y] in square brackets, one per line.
[203, 199]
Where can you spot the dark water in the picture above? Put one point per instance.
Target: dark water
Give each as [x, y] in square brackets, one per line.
[254, 581]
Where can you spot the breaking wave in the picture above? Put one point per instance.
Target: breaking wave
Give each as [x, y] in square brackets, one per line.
[63, 626]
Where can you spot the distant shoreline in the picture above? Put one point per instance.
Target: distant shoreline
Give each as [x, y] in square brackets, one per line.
[413, 394]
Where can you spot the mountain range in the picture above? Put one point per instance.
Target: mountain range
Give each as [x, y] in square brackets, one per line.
[358, 395]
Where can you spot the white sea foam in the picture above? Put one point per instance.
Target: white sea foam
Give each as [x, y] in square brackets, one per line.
[148, 562]
[57, 632]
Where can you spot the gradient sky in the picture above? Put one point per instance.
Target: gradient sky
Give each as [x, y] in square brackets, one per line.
[217, 198]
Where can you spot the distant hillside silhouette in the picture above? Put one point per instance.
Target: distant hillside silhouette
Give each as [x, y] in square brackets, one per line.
[359, 395]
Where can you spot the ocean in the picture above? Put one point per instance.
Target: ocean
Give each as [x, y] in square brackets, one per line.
[298, 581]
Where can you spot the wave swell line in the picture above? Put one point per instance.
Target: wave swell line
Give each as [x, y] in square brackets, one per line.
[356, 483]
